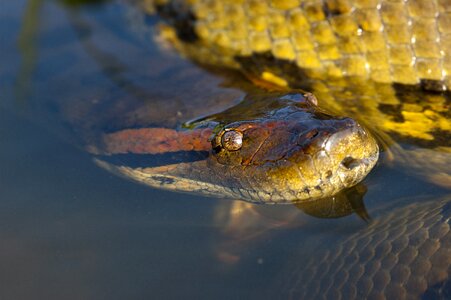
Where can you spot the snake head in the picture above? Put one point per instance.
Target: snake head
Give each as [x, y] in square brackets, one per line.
[270, 148]
[292, 152]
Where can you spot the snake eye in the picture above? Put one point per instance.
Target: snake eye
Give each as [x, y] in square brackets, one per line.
[232, 140]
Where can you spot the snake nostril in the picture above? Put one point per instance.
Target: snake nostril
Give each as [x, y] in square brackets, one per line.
[350, 163]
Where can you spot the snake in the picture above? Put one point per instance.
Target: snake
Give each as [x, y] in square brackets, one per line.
[404, 254]
[385, 64]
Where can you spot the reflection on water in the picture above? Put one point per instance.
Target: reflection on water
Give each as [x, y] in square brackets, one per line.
[26, 44]
[71, 230]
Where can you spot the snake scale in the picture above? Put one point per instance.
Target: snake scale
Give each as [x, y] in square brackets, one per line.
[405, 254]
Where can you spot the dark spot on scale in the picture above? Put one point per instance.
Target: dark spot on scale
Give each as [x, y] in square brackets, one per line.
[179, 15]
[318, 188]
[393, 111]
[433, 85]
[408, 93]
[258, 63]
[330, 10]
[328, 174]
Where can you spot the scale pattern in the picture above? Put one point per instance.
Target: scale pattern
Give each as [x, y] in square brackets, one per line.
[405, 255]
[386, 41]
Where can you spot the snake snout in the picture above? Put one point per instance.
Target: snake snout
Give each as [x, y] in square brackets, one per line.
[353, 150]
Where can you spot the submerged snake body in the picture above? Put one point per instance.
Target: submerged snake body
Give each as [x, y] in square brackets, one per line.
[405, 254]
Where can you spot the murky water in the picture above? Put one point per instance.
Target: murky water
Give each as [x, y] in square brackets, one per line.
[70, 230]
